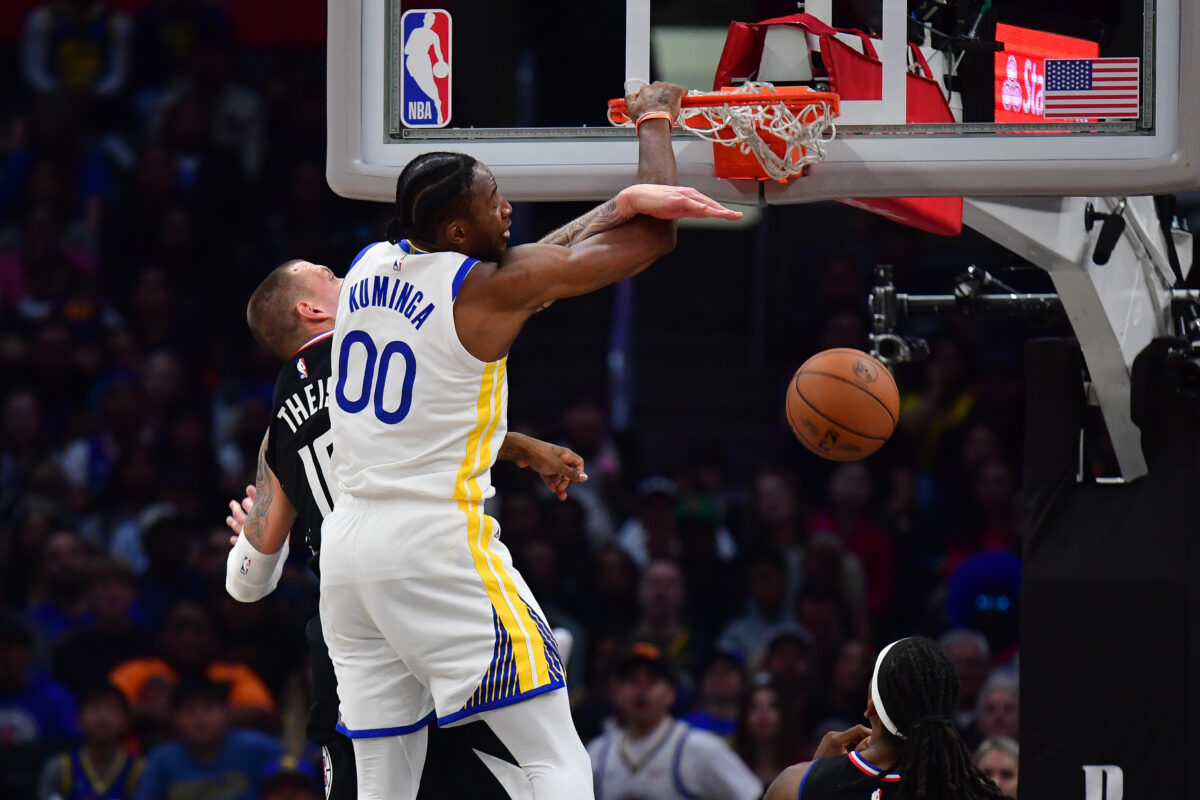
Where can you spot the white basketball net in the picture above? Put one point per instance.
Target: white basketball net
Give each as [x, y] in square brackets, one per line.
[804, 132]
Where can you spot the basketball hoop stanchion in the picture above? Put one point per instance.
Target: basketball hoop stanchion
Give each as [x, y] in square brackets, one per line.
[758, 131]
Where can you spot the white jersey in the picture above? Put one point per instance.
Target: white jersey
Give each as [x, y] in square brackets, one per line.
[674, 762]
[413, 413]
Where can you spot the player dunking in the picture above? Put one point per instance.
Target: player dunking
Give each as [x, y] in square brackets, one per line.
[912, 748]
[423, 613]
[291, 315]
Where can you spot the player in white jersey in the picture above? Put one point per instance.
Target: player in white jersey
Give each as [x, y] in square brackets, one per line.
[422, 610]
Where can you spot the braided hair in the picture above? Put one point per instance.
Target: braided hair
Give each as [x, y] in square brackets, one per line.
[918, 685]
[431, 189]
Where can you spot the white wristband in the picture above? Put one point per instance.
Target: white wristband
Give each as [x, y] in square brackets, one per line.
[251, 575]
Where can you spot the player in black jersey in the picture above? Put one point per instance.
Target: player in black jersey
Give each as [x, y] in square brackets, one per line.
[912, 748]
[291, 315]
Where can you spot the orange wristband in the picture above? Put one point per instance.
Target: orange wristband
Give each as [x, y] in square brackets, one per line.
[637, 126]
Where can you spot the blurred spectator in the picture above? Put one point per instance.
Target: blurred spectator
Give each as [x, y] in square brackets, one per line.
[235, 111]
[999, 706]
[789, 660]
[309, 218]
[993, 514]
[60, 605]
[766, 581]
[767, 737]
[207, 174]
[33, 706]
[89, 461]
[168, 541]
[112, 634]
[209, 760]
[585, 430]
[80, 46]
[538, 562]
[849, 679]
[823, 613]
[971, 656]
[101, 767]
[57, 167]
[829, 570]
[37, 274]
[155, 318]
[654, 755]
[654, 532]
[187, 651]
[776, 519]
[22, 444]
[520, 517]
[651, 534]
[662, 597]
[135, 506]
[166, 33]
[998, 757]
[705, 489]
[984, 593]
[848, 517]
[721, 684]
[614, 606]
[944, 403]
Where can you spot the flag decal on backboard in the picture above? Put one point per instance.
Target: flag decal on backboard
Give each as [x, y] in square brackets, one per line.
[1094, 88]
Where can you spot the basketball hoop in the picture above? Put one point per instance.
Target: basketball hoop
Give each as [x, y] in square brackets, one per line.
[758, 131]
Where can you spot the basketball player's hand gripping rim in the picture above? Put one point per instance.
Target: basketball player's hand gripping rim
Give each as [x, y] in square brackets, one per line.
[657, 96]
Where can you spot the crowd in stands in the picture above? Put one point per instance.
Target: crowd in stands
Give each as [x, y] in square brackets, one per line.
[152, 170]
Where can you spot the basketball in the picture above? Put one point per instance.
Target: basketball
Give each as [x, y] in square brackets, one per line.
[843, 404]
[441, 69]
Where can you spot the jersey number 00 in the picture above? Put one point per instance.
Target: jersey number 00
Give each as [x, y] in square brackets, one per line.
[373, 378]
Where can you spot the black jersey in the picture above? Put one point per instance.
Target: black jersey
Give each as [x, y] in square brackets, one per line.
[848, 777]
[300, 443]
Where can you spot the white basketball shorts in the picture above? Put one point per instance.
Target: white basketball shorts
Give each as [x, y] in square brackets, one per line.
[425, 616]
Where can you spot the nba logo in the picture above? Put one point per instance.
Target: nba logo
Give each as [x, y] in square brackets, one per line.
[425, 71]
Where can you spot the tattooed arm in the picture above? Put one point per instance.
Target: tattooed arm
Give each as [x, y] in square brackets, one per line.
[602, 218]
[256, 561]
[656, 163]
[270, 520]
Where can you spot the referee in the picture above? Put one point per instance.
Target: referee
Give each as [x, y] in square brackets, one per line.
[291, 314]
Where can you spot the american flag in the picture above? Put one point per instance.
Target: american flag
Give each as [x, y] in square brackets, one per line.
[1092, 88]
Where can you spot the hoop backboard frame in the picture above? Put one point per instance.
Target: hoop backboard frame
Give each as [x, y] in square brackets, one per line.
[875, 154]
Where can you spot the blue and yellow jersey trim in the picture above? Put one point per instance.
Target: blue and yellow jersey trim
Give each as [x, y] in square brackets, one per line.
[525, 657]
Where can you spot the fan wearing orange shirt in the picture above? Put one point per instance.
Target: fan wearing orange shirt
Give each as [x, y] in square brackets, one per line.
[187, 648]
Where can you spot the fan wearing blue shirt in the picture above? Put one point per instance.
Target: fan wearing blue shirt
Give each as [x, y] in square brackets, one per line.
[33, 706]
[209, 762]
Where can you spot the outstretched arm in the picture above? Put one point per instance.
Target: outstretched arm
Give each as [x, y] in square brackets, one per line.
[497, 299]
[656, 161]
[256, 561]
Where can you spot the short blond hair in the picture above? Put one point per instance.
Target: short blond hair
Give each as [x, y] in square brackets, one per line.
[271, 310]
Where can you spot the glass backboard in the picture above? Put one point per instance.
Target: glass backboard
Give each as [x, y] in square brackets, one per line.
[1066, 98]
